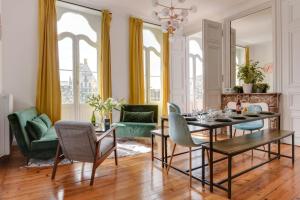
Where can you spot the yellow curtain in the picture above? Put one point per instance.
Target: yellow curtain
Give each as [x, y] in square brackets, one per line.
[48, 97]
[166, 73]
[247, 56]
[136, 64]
[104, 74]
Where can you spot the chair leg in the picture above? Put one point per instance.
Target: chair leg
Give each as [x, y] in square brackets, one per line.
[207, 152]
[116, 157]
[95, 164]
[27, 161]
[190, 172]
[173, 151]
[93, 174]
[216, 137]
[234, 133]
[57, 159]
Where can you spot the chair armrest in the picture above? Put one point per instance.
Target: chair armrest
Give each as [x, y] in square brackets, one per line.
[105, 134]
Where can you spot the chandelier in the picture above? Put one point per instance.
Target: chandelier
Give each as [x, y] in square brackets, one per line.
[171, 17]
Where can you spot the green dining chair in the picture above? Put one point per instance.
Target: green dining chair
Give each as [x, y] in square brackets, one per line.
[180, 135]
[172, 107]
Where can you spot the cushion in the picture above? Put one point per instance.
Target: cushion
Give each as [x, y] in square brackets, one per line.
[255, 125]
[144, 117]
[106, 144]
[31, 132]
[46, 120]
[36, 128]
[134, 129]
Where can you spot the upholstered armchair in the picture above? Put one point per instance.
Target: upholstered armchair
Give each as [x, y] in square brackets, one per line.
[79, 142]
[137, 120]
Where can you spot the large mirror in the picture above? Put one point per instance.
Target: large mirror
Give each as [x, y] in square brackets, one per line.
[252, 41]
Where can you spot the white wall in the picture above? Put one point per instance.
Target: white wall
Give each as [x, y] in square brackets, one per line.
[20, 55]
[20, 51]
[290, 69]
[1, 77]
[263, 52]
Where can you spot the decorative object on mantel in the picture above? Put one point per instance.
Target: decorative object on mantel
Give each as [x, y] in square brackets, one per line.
[250, 74]
[172, 17]
[228, 90]
[261, 87]
[238, 89]
[104, 108]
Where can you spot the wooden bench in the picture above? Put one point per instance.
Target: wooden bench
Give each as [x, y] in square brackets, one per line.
[241, 144]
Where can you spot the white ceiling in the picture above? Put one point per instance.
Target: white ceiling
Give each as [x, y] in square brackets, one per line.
[254, 29]
[211, 9]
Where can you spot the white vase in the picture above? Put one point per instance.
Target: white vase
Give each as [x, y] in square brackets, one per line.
[247, 88]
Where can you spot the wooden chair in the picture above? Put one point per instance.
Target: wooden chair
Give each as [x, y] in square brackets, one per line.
[78, 141]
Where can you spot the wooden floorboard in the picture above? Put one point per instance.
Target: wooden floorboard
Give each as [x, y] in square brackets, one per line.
[138, 177]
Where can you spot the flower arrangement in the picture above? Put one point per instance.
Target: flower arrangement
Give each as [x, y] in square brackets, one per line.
[105, 107]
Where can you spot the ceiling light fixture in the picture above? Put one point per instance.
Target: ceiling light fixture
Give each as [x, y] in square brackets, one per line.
[172, 18]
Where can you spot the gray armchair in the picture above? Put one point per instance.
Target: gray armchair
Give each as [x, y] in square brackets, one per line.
[78, 141]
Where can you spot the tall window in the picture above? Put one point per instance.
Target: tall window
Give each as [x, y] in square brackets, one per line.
[195, 76]
[153, 64]
[240, 59]
[78, 35]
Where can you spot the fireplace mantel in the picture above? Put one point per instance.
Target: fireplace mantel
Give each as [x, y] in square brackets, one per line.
[271, 99]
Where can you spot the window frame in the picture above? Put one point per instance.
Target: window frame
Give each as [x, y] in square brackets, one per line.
[156, 31]
[192, 98]
[76, 53]
[237, 82]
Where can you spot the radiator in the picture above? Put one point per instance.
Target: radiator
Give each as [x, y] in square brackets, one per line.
[6, 107]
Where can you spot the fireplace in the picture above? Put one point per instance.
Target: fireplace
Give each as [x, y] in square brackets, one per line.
[268, 101]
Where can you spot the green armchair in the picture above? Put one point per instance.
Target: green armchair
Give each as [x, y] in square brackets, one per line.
[43, 148]
[136, 128]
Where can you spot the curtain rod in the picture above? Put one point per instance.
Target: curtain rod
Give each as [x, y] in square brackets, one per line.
[151, 23]
[83, 6]
[75, 4]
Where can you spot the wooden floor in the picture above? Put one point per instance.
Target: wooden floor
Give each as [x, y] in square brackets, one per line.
[139, 178]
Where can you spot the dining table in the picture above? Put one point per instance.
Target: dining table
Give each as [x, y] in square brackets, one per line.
[222, 122]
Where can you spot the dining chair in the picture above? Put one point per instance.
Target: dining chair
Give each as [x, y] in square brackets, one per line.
[79, 142]
[172, 107]
[250, 126]
[180, 135]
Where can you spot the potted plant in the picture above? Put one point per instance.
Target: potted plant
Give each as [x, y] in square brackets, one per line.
[238, 89]
[261, 87]
[250, 74]
[104, 108]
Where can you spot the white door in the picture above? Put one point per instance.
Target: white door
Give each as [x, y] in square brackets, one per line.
[212, 63]
[291, 67]
[178, 89]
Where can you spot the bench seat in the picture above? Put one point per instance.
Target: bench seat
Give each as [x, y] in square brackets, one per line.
[247, 142]
[241, 144]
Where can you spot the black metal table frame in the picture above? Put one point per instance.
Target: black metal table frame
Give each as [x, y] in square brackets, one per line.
[211, 161]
